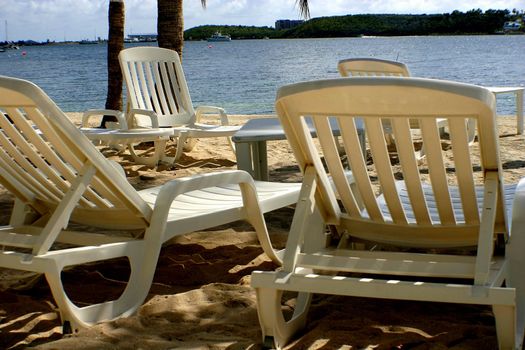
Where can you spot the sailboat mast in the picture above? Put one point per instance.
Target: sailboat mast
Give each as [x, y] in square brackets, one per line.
[6, 30]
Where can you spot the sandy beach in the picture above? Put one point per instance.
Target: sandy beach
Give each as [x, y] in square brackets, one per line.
[201, 296]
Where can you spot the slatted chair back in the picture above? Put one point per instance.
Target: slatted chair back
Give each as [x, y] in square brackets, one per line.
[419, 211]
[369, 67]
[54, 170]
[155, 81]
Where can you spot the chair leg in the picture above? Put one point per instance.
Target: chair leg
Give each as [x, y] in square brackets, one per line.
[152, 161]
[189, 144]
[513, 317]
[232, 145]
[276, 330]
[136, 291]
[505, 326]
[516, 278]
[181, 140]
[471, 130]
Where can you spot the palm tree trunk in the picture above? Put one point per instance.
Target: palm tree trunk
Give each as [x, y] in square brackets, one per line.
[115, 45]
[170, 25]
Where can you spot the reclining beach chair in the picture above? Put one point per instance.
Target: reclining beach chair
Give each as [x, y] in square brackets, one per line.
[158, 97]
[375, 67]
[442, 205]
[58, 177]
[367, 67]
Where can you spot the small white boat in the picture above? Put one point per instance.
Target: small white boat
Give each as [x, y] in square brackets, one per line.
[219, 37]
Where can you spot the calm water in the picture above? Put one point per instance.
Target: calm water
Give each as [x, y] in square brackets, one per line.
[243, 76]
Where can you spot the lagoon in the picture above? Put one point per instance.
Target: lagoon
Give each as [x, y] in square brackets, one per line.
[243, 75]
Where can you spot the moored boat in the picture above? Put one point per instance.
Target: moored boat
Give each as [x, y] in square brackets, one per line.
[219, 37]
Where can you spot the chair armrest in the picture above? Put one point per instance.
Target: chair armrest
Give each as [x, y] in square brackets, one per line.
[251, 209]
[118, 167]
[201, 110]
[145, 112]
[102, 112]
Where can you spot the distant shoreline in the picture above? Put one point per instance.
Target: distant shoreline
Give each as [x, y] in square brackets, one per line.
[72, 43]
[473, 22]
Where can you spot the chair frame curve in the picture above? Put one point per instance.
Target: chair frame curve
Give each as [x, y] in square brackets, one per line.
[408, 213]
[58, 177]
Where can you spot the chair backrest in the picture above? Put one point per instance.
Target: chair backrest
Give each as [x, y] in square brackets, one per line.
[155, 81]
[413, 221]
[368, 67]
[45, 160]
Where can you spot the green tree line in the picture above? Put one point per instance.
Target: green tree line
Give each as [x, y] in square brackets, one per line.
[471, 22]
[236, 32]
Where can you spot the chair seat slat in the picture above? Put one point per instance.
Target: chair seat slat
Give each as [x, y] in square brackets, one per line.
[327, 141]
[173, 95]
[374, 129]
[388, 264]
[155, 87]
[464, 169]
[12, 239]
[143, 83]
[163, 86]
[19, 167]
[437, 172]
[34, 147]
[67, 163]
[408, 162]
[358, 167]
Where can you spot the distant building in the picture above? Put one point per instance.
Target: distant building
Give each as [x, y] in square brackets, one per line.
[142, 37]
[287, 23]
[510, 26]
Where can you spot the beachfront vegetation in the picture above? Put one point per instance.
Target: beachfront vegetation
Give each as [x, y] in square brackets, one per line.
[470, 22]
[236, 32]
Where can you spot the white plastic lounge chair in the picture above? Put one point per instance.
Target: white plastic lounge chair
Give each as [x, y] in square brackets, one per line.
[443, 211]
[158, 96]
[366, 67]
[374, 67]
[57, 177]
[157, 112]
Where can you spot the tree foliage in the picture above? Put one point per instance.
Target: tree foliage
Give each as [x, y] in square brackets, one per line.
[236, 32]
[471, 22]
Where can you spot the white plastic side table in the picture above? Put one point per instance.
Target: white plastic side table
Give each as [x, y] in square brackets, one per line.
[250, 143]
[518, 92]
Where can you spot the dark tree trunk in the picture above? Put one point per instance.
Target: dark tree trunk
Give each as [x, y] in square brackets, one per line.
[115, 45]
[170, 25]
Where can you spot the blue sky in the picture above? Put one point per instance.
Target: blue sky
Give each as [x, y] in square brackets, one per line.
[86, 19]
